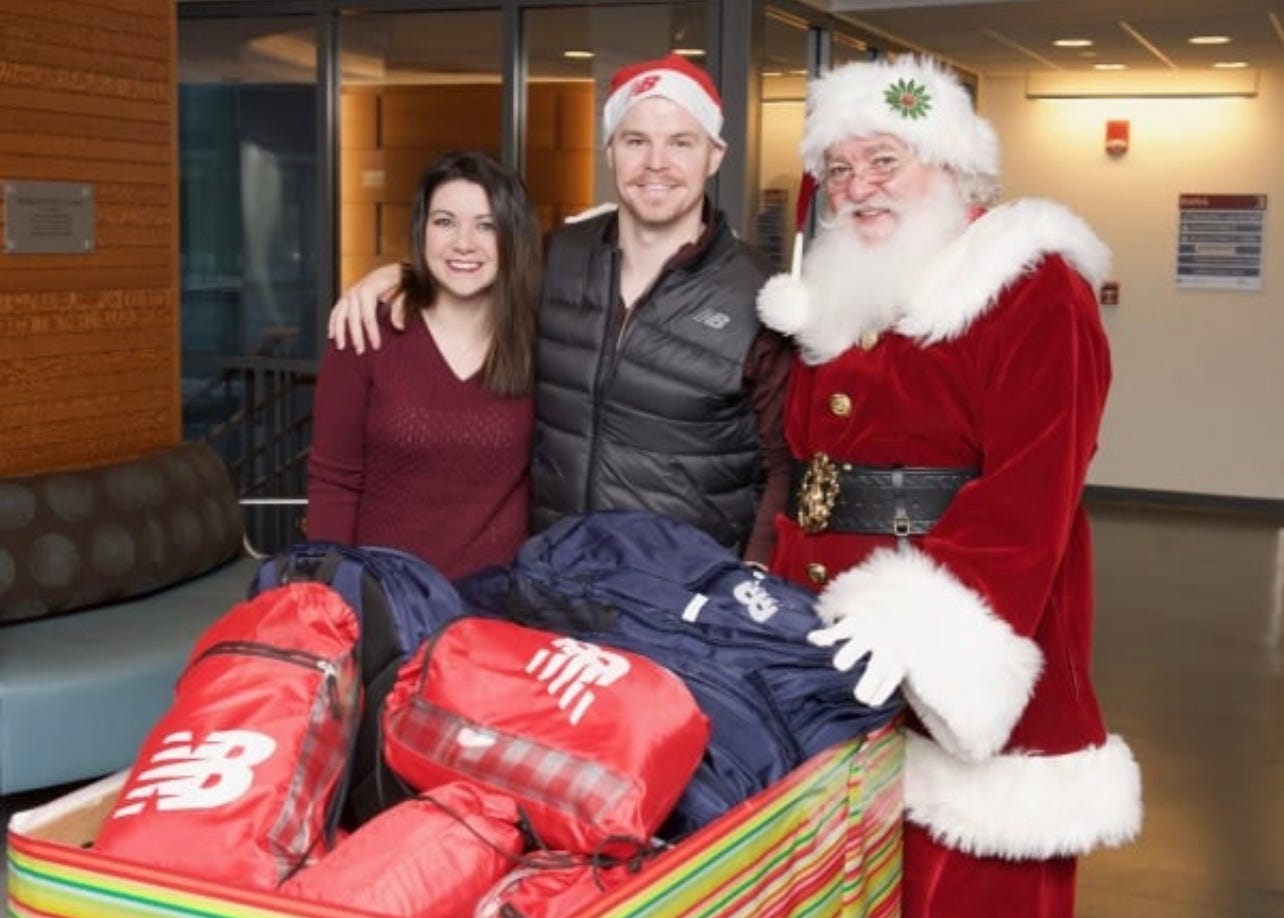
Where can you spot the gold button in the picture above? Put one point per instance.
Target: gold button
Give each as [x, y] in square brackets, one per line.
[816, 573]
[840, 403]
[868, 340]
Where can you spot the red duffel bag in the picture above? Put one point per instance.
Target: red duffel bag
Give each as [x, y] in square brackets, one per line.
[595, 744]
[240, 780]
[429, 857]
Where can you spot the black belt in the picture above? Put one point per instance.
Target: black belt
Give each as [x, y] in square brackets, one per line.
[841, 497]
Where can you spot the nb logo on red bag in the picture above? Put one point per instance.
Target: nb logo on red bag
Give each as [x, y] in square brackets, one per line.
[571, 668]
[216, 772]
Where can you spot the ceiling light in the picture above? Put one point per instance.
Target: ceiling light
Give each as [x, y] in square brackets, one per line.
[578, 55]
[1142, 84]
[1209, 40]
[689, 52]
[1109, 66]
[1231, 65]
[1073, 42]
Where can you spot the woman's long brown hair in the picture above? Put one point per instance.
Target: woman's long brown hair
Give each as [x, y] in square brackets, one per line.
[508, 369]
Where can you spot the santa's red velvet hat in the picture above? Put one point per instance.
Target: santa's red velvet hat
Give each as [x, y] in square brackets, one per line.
[673, 77]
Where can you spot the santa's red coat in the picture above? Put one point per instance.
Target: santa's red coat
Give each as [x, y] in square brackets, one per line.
[1000, 363]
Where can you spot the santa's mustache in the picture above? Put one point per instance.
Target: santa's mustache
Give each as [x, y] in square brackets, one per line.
[848, 209]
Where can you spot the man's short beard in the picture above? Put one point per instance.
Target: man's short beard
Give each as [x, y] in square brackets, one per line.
[857, 286]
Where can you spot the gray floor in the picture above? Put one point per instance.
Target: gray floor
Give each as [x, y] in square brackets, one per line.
[1190, 668]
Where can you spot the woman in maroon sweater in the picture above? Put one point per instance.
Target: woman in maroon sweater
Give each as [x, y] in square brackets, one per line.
[424, 444]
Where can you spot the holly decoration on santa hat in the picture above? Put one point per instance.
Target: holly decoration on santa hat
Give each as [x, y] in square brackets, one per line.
[909, 98]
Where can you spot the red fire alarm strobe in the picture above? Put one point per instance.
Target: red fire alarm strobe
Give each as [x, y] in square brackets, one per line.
[1116, 137]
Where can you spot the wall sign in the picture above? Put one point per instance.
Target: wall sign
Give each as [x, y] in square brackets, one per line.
[1220, 241]
[48, 217]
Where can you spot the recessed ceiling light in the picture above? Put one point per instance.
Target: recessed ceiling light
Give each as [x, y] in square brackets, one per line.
[1231, 65]
[1209, 40]
[1109, 66]
[1073, 42]
[689, 52]
[578, 55]
[772, 73]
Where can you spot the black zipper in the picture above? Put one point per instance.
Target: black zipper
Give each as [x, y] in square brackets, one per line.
[607, 354]
[294, 657]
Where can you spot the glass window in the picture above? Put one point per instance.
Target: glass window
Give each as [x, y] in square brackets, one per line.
[247, 185]
[782, 70]
[247, 101]
[413, 86]
[844, 49]
[571, 53]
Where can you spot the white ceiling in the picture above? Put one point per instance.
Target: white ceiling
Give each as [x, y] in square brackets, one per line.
[1006, 37]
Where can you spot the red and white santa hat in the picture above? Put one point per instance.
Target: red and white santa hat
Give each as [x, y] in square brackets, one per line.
[911, 97]
[673, 77]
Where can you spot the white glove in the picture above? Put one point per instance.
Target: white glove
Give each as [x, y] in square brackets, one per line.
[884, 670]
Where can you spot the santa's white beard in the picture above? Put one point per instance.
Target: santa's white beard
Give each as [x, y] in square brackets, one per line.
[855, 287]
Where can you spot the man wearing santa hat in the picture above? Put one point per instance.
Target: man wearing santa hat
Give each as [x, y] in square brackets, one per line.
[657, 387]
[942, 413]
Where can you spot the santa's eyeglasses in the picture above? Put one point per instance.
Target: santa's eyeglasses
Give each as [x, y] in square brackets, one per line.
[875, 170]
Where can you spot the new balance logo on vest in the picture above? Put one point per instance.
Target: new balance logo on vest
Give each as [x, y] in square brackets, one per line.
[211, 774]
[571, 668]
[712, 318]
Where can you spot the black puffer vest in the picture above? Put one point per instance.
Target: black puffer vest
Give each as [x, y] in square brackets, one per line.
[654, 415]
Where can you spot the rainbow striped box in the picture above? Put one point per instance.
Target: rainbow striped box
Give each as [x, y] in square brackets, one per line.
[824, 842]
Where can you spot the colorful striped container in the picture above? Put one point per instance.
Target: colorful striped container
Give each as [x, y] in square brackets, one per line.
[824, 842]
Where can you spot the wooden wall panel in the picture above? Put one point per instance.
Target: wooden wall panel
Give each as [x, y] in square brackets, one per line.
[389, 135]
[559, 151]
[89, 348]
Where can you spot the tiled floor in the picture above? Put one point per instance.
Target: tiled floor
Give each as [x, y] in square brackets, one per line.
[1190, 669]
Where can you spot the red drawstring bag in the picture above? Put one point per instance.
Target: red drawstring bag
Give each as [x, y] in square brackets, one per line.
[596, 744]
[241, 779]
[430, 857]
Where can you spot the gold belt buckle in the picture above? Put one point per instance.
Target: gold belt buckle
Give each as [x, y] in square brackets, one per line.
[817, 493]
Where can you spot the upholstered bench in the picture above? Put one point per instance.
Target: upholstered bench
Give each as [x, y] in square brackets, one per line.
[107, 577]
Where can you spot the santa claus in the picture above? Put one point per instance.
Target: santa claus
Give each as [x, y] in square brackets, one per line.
[942, 414]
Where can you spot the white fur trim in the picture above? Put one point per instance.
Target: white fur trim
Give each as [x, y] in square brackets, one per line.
[1024, 806]
[784, 304]
[959, 284]
[670, 84]
[594, 211]
[968, 674]
[859, 100]
[963, 281]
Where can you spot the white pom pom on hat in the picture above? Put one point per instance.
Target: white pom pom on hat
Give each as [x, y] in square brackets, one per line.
[674, 78]
[911, 97]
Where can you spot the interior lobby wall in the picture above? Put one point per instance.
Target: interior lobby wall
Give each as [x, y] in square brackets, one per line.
[89, 340]
[1195, 406]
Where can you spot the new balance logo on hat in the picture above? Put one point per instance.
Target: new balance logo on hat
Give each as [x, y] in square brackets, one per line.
[199, 777]
[712, 318]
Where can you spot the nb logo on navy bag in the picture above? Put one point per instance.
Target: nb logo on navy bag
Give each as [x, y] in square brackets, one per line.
[760, 604]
